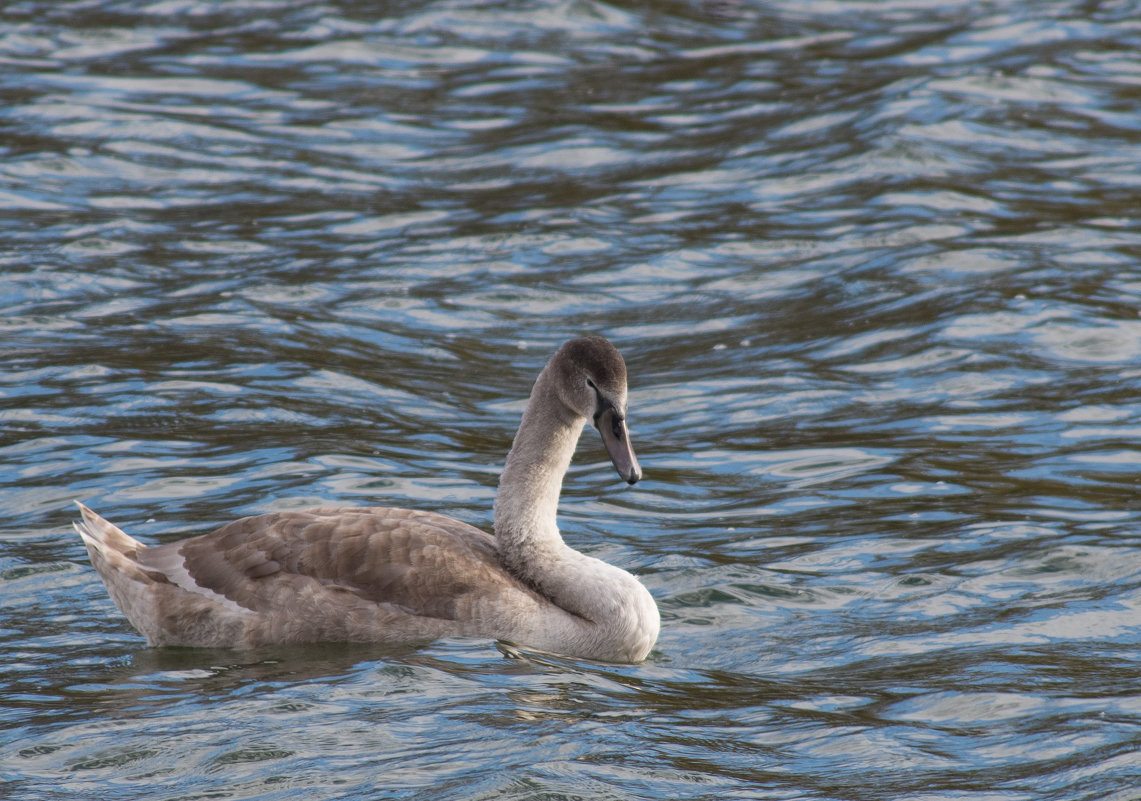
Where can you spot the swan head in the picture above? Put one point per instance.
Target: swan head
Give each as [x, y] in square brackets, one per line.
[592, 384]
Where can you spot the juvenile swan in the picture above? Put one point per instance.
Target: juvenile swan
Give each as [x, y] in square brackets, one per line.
[377, 574]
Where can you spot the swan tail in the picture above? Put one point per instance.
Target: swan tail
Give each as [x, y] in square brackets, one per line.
[114, 555]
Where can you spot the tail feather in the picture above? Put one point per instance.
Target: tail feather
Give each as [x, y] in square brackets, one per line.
[105, 536]
[111, 549]
[114, 554]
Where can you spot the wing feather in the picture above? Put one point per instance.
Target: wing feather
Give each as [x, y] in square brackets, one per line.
[421, 563]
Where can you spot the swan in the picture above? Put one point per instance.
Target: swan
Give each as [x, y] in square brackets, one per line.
[391, 575]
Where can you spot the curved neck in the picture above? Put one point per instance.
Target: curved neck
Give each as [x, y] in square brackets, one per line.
[610, 614]
[526, 506]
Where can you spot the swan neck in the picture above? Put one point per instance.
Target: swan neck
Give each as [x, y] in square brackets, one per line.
[610, 614]
[526, 506]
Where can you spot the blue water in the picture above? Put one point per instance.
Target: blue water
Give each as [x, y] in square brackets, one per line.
[876, 272]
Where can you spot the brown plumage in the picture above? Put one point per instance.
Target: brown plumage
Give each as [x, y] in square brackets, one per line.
[381, 574]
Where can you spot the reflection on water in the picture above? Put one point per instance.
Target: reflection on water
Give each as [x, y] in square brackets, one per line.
[873, 269]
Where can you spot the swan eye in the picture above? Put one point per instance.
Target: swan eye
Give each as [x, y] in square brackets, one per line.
[599, 403]
[617, 422]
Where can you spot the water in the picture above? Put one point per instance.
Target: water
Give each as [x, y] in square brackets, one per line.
[874, 269]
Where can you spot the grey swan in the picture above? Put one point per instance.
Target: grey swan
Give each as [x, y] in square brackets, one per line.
[389, 575]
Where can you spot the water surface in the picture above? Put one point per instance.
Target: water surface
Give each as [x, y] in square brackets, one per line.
[874, 269]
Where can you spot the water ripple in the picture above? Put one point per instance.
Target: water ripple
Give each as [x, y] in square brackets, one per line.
[871, 266]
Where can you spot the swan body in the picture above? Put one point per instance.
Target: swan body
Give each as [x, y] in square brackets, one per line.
[379, 574]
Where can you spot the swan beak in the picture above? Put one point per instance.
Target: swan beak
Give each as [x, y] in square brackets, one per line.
[612, 427]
